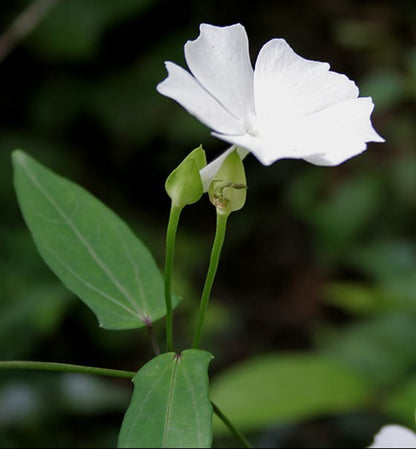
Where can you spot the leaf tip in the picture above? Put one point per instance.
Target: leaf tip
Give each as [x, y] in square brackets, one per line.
[18, 155]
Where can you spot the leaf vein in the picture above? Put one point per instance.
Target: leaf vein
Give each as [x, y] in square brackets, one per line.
[84, 242]
[194, 402]
[145, 400]
[136, 270]
[87, 284]
[169, 403]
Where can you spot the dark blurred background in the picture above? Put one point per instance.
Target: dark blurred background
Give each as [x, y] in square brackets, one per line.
[320, 261]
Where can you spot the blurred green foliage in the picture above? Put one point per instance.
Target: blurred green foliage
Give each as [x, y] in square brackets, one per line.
[310, 385]
[321, 261]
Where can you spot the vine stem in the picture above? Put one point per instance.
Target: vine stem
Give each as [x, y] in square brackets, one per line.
[175, 213]
[212, 270]
[65, 367]
[243, 440]
[151, 334]
[69, 368]
[25, 23]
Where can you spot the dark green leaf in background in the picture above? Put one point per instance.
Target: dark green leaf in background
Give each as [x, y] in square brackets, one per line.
[170, 406]
[89, 248]
[282, 388]
[400, 402]
[381, 347]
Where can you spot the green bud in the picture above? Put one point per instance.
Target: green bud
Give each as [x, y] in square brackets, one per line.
[184, 184]
[228, 189]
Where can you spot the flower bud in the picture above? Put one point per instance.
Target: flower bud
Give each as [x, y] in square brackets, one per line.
[228, 189]
[184, 184]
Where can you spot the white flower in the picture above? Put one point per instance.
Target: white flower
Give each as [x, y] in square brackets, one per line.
[287, 107]
[394, 436]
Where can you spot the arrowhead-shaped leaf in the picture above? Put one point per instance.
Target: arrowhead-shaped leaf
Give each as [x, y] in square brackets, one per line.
[89, 248]
[170, 407]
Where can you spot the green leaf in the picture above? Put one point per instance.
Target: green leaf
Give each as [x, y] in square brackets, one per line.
[346, 213]
[89, 248]
[381, 348]
[386, 259]
[400, 404]
[394, 294]
[386, 86]
[278, 388]
[355, 297]
[170, 406]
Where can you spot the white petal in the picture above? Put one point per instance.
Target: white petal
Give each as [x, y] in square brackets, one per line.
[338, 133]
[288, 86]
[328, 137]
[219, 59]
[394, 437]
[209, 172]
[266, 151]
[182, 87]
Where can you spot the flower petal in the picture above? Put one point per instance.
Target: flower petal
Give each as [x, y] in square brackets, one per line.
[266, 151]
[288, 86]
[338, 133]
[328, 137]
[182, 87]
[219, 59]
[394, 436]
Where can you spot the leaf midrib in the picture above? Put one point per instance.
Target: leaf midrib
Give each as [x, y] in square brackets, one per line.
[84, 242]
[170, 400]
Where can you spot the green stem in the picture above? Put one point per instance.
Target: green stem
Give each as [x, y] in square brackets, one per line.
[69, 368]
[243, 440]
[175, 213]
[65, 367]
[151, 334]
[212, 270]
